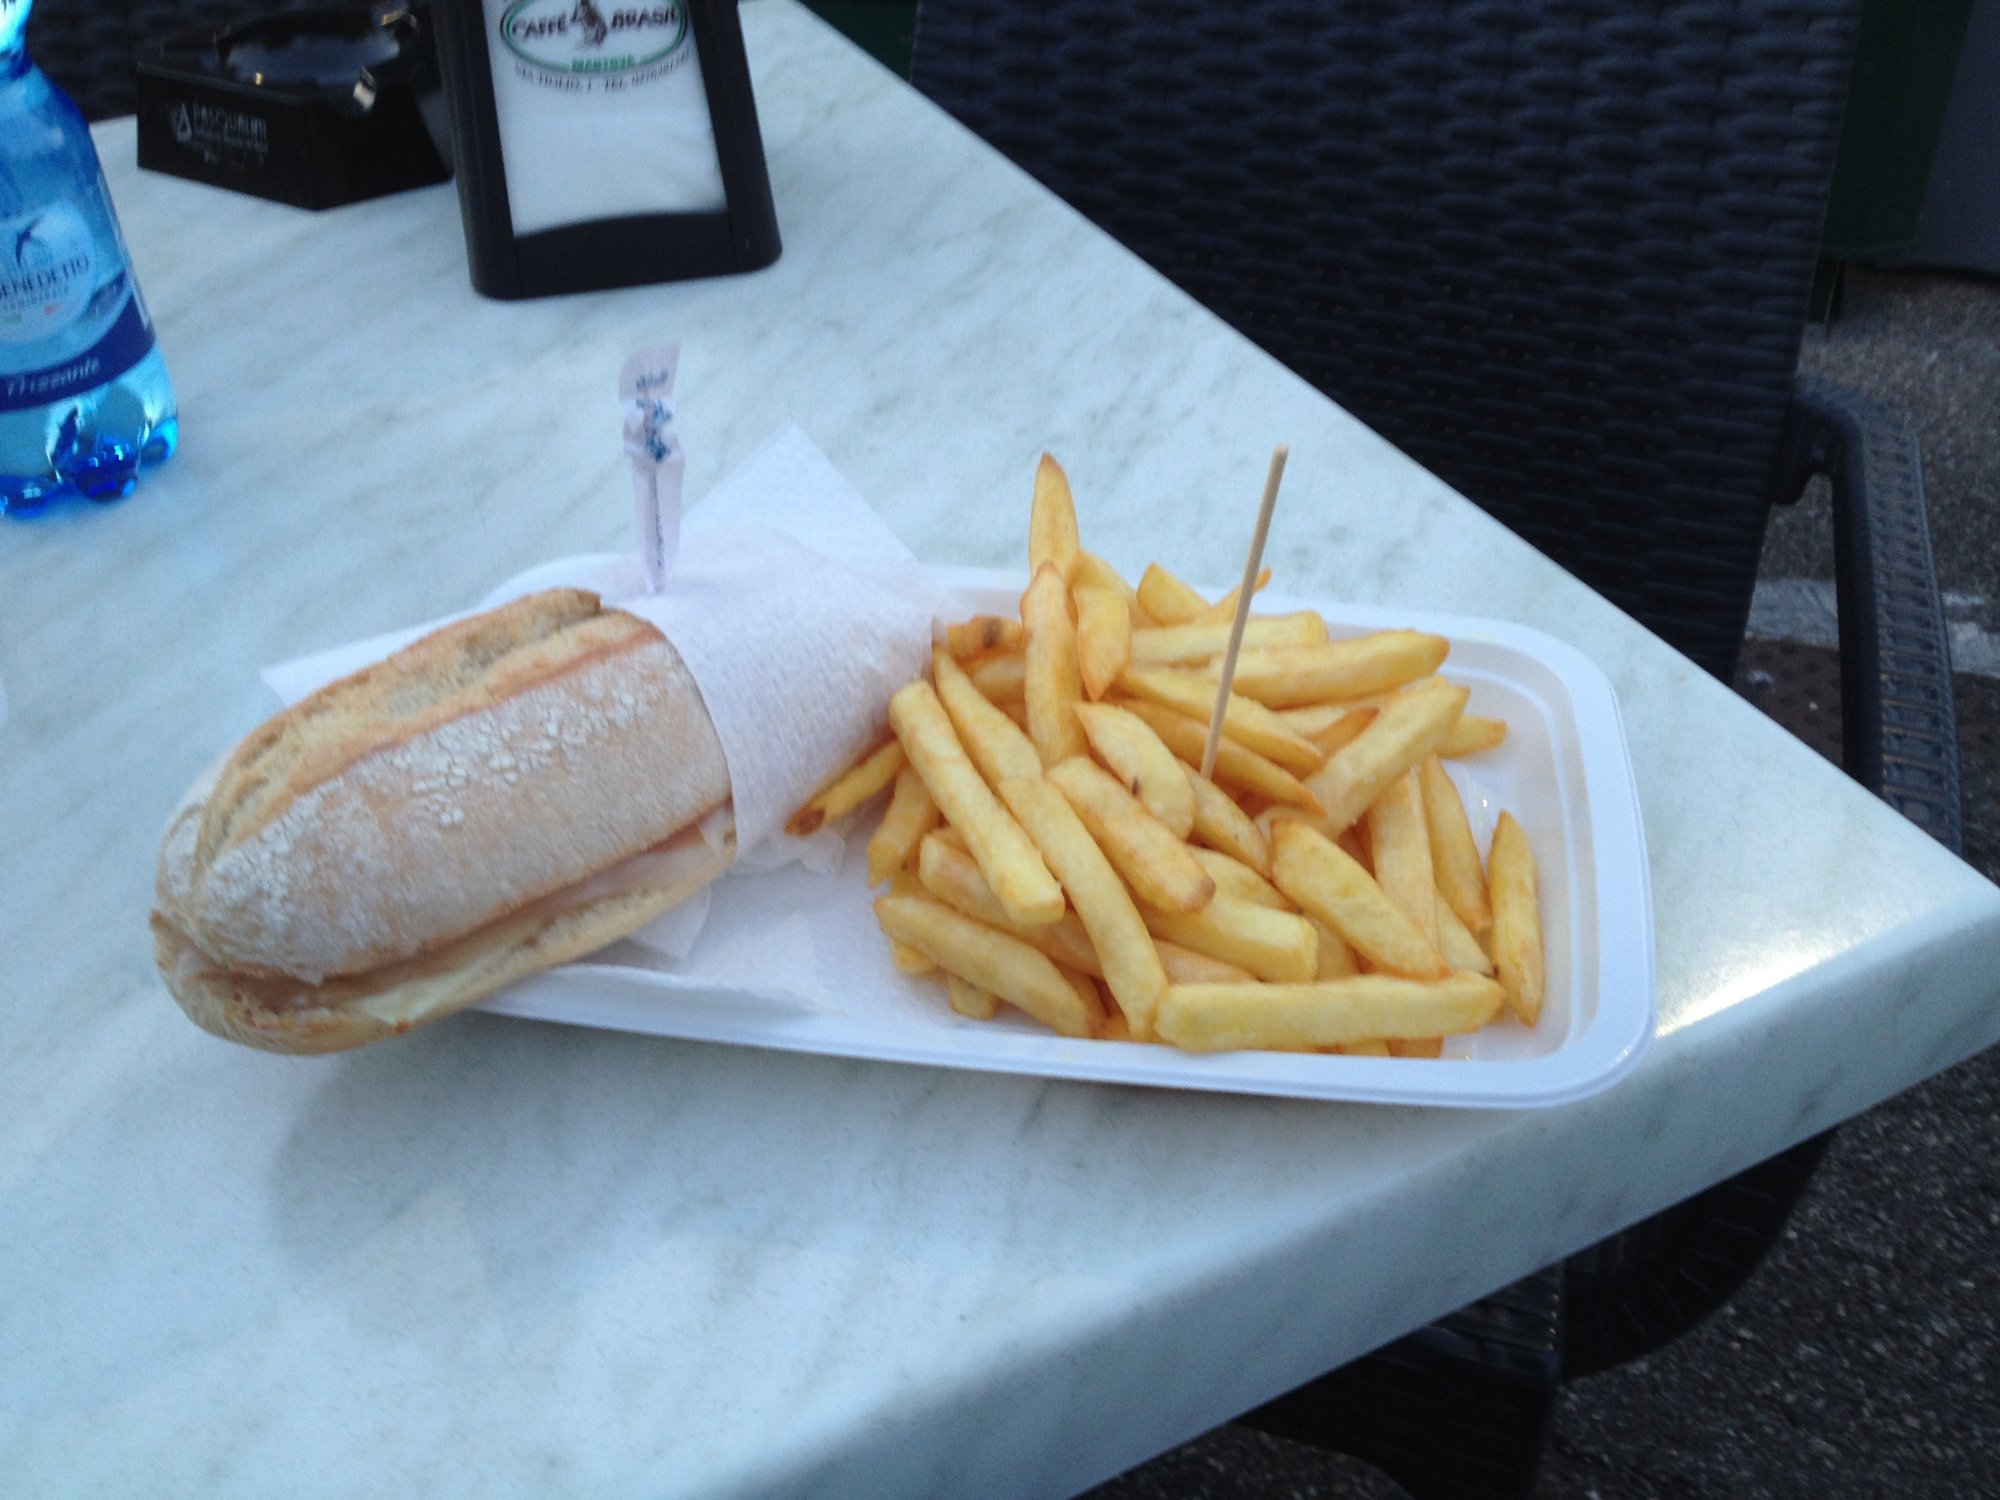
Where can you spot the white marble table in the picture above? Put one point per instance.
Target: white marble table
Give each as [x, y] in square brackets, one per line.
[501, 1258]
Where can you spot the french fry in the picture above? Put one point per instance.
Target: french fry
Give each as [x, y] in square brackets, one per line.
[992, 960]
[1221, 824]
[905, 883]
[983, 633]
[1460, 948]
[1224, 609]
[1130, 748]
[1330, 886]
[1472, 734]
[1129, 962]
[968, 999]
[1289, 676]
[1185, 966]
[1168, 599]
[1159, 867]
[1054, 684]
[1006, 857]
[909, 960]
[1365, 1049]
[1336, 959]
[1248, 723]
[1235, 879]
[949, 873]
[1454, 853]
[1236, 764]
[1093, 572]
[911, 815]
[1327, 1013]
[997, 745]
[1017, 711]
[1375, 701]
[1270, 817]
[1344, 731]
[1315, 719]
[1469, 735]
[1092, 1000]
[1001, 677]
[1399, 845]
[1103, 637]
[1513, 884]
[1181, 645]
[1430, 1046]
[848, 790]
[1052, 536]
[1273, 945]
[1411, 727]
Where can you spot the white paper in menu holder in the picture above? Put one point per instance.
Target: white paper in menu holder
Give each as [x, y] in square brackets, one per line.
[602, 111]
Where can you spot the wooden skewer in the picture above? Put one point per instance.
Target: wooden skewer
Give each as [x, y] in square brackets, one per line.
[1243, 596]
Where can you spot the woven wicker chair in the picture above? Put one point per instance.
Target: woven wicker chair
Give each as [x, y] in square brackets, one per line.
[1559, 251]
[89, 47]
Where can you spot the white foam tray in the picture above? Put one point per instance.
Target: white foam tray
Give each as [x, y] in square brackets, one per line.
[772, 942]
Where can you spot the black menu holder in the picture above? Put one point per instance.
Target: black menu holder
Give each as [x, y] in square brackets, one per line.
[603, 143]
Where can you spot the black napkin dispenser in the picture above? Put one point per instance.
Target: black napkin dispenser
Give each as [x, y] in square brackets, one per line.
[604, 143]
[312, 107]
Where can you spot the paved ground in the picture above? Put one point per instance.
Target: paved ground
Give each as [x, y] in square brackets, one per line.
[1863, 1358]
[1929, 347]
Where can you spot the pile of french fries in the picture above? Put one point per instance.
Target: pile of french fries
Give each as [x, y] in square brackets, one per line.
[1050, 842]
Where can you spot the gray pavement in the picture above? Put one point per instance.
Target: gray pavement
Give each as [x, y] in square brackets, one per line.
[1927, 346]
[1863, 1358]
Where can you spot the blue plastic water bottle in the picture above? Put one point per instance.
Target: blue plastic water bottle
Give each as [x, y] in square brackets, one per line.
[84, 394]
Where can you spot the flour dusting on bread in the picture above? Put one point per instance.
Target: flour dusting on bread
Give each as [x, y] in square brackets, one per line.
[466, 778]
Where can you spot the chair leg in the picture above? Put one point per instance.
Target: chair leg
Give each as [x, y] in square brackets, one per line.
[1458, 1410]
[1632, 1293]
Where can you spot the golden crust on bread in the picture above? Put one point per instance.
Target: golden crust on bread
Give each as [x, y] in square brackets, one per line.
[289, 1015]
[460, 668]
[407, 839]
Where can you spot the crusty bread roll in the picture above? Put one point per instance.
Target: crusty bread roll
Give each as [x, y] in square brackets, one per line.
[508, 793]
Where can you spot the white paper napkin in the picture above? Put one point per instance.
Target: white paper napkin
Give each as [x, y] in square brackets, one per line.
[798, 614]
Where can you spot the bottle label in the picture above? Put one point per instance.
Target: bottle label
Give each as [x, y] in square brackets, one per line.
[48, 270]
[66, 306]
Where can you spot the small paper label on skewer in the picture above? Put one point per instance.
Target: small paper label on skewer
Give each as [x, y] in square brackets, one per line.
[646, 391]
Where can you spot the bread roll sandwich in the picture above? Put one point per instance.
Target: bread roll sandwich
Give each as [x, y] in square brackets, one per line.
[508, 793]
